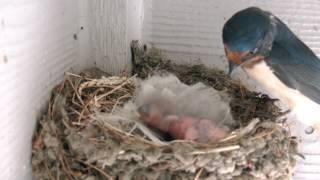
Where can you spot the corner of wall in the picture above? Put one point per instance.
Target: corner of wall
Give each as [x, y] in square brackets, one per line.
[85, 55]
[135, 18]
[113, 24]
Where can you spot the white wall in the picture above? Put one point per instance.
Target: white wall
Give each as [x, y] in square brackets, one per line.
[188, 30]
[37, 46]
[113, 25]
[108, 21]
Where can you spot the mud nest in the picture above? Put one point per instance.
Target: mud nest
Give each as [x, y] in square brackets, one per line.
[74, 141]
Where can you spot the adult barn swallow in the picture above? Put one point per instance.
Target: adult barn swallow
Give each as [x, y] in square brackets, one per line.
[271, 54]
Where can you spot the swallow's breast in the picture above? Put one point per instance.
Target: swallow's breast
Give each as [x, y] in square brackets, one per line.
[305, 109]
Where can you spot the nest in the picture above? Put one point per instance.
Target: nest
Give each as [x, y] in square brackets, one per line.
[74, 141]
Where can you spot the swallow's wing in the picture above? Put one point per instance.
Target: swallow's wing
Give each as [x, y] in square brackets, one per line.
[298, 70]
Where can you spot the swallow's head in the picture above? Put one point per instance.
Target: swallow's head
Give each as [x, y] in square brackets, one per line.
[247, 36]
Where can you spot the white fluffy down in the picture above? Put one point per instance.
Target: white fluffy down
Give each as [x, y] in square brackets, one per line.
[197, 100]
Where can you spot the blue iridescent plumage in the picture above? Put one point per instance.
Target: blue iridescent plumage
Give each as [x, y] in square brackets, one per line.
[256, 27]
[291, 60]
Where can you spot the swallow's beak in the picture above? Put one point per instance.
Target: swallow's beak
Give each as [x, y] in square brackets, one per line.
[232, 66]
[234, 59]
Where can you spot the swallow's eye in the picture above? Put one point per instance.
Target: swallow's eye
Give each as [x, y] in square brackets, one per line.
[254, 51]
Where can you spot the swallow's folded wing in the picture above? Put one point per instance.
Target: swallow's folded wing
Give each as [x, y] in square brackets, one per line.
[300, 71]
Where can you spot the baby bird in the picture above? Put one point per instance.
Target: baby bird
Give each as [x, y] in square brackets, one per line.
[197, 112]
[184, 127]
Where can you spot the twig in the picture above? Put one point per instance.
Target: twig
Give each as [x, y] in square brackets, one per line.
[96, 168]
[62, 85]
[75, 90]
[78, 76]
[65, 119]
[242, 131]
[71, 74]
[37, 143]
[81, 116]
[146, 131]
[217, 150]
[85, 107]
[249, 127]
[50, 113]
[64, 168]
[74, 101]
[112, 91]
[78, 124]
[75, 111]
[263, 134]
[241, 89]
[133, 128]
[229, 138]
[118, 100]
[48, 171]
[58, 171]
[198, 174]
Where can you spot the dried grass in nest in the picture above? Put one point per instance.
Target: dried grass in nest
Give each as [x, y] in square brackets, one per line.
[74, 141]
